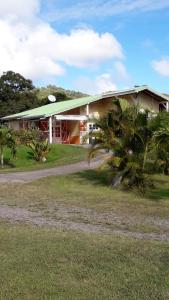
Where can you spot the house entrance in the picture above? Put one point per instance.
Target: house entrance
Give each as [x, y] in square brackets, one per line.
[61, 133]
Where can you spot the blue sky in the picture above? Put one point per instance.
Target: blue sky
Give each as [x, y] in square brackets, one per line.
[88, 46]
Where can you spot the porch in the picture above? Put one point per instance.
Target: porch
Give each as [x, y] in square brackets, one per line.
[60, 129]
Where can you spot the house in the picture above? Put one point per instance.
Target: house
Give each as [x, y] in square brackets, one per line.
[69, 121]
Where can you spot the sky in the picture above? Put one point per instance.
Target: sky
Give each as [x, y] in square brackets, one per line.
[89, 46]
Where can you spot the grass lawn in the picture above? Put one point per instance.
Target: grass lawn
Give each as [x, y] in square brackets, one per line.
[48, 263]
[59, 155]
[88, 191]
[39, 263]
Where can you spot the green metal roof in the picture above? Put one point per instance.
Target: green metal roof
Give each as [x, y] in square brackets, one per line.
[60, 107]
[53, 108]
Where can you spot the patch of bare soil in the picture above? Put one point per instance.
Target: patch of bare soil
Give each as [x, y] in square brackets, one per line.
[87, 220]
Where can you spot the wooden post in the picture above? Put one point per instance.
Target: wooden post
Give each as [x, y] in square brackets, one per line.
[50, 130]
[167, 106]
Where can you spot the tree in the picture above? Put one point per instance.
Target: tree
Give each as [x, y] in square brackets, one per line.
[160, 140]
[125, 132]
[16, 93]
[7, 139]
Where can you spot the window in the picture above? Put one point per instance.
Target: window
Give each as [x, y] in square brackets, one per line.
[93, 127]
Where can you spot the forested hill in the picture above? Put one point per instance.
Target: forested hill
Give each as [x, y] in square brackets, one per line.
[19, 94]
[43, 92]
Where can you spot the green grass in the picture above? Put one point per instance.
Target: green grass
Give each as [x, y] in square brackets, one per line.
[88, 190]
[47, 263]
[38, 263]
[59, 155]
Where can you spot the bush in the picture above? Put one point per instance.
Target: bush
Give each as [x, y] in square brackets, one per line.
[39, 150]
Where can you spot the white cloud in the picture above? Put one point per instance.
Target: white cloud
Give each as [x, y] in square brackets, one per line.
[18, 8]
[37, 51]
[121, 70]
[20, 54]
[161, 66]
[84, 47]
[105, 83]
[102, 83]
[115, 77]
[33, 48]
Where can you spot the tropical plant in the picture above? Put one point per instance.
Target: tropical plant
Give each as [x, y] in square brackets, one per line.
[161, 143]
[39, 149]
[125, 133]
[7, 140]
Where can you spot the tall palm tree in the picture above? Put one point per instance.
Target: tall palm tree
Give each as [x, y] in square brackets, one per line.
[161, 143]
[125, 132]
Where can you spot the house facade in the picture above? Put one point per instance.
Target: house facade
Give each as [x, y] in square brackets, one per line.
[69, 121]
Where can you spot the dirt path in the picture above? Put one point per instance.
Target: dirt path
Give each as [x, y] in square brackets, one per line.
[64, 216]
[62, 170]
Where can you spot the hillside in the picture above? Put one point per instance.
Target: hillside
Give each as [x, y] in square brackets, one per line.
[43, 92]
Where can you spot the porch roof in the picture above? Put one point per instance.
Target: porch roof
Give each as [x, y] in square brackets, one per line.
[60, 107]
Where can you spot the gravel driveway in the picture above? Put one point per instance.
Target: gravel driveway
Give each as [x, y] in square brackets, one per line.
[62, 170]
[16, 215]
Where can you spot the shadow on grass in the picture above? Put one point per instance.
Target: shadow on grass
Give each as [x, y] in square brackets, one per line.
[102, 178]
[161, 190]
[95, 176]
[30, 156]
[158, 194]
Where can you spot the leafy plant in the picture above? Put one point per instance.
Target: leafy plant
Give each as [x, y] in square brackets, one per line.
[39, 149]
[161, 143]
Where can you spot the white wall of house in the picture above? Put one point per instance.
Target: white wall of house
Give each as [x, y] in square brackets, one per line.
[14, 125]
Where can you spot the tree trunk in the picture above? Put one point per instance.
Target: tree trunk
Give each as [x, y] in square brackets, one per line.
[145, 156]
[2, 158]
[117, 180]
[166, 170]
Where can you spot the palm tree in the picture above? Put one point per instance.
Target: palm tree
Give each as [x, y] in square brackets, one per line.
[7, 139]
[161, 143]
[125, 132]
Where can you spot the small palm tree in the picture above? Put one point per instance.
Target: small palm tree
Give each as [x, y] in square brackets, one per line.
[7, 140]
[39, 149]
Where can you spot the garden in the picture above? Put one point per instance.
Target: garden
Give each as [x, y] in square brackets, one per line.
[27, 150]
